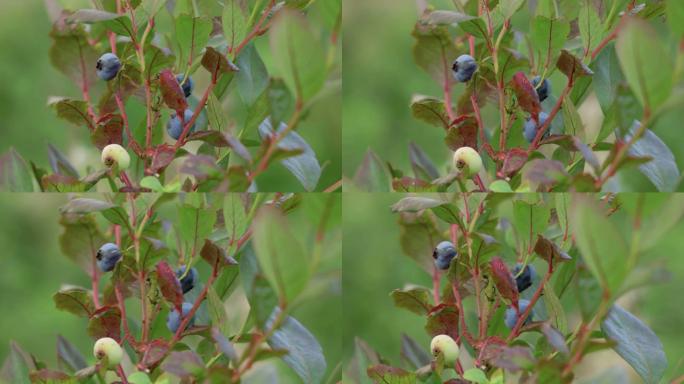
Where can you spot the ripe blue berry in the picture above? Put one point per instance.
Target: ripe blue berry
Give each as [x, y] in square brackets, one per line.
[187, 282]
[174, 126]
[107, 257]
[524, 279]
[511, 317]
[543, 90]
[531, 127]
[443, 254]
[108, 66]
[187, 86]
[463, 68]
[173, 321]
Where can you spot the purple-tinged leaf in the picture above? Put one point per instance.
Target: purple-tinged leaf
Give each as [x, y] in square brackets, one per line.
[169, 284]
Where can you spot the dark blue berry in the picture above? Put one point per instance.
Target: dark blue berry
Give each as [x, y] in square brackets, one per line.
[108, 66]
[107, 257]
[463, 68]
[524, 279]
[174, 126]
[443, 254]
[173, 321]
[186, 85]
[511, 317]
[187, 282]
[544, 89]
[531, 127]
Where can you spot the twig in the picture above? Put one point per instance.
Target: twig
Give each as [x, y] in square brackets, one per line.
[255, 30]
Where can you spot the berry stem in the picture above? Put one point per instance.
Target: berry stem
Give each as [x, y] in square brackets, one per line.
[122, 374]
[547, 124]
[537, 294]
[195, 114]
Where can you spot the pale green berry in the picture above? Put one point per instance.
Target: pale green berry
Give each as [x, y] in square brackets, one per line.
[446, 346]
[108, 348]
[116, 154]
[468, 161]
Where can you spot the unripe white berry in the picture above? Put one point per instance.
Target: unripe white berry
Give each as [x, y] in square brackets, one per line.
[446, 346]
[468, 161]
[109, 348]
[116, 154]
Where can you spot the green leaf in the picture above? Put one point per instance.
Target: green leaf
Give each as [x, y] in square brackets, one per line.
[529, 220]
[658, 224]
[590, 27]
[252, 79]
[662, 170]
[195, 224]
[217, 311]
[15, 175]
[71, 54]
[430, 110]
[637, 45]
[305, 355]
[80, 240]
[415, 299]
[262, 299]
[235, 26]
[192, 34]
[73, 111]
[675, 16]
[547, 38]
[304, 166]
[298, 54]
[434, 52]
[636, 343]
[390, 375]
[601, 245]
[139, 378]
[508, 8]
[234, 216]
[19, 366]
[282, 258]
[75, 300]
[119, 24]
[475, 375]
[555, 309]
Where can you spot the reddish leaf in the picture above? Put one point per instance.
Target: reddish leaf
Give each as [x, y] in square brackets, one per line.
[526, 94]
[549, 251]
[108, 131]
[216, 63]
[512, 358]
[386, 374]
[514, 160]
[572, 66]
[545, 172]
[153, 352]
[183, 364]
[105, 322]
[171, 91]
[46, 375]
[503, 279]
[162, 156]
[408, 184]
[169, 284]
[443, 320]
[462, 135]
[214, 254]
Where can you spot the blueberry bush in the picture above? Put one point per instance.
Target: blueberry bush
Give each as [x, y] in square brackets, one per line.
[191, 95]
[524, 287]
[199, 288]
[520, 83]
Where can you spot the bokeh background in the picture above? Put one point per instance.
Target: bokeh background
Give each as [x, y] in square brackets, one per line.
[374, 265]
[380, 77]
[33, 269]
[28, 124]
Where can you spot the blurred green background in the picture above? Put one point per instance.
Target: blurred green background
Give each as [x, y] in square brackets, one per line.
[374, 265]
[33, 269]
[380, 76]
[29, 124]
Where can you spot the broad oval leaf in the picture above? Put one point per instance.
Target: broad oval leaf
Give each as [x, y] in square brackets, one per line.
[662, 170]
[305, 355]
[304, 166]
[636, 343]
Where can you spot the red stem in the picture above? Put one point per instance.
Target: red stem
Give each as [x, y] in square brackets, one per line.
[521, 320]
[552, 115]
[255, 30]
[122, 374]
